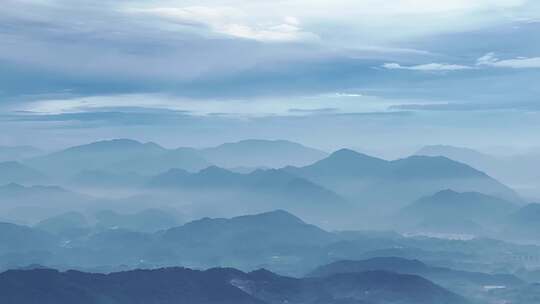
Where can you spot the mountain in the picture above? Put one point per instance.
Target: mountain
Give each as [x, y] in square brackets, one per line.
[371, 181]
[460, 154]
[69, 223]
[215, 286]
[465, 282]
[15, 172]
[260, 190]
[524, 224]
[17, 153]
[258, 231]
[456, 212]
[16, 194]
[118, 155]
[516, 170]
[33, 203]
[16, 238]
[148, 220]
[105, 179]
[272, 239]
[262, 153]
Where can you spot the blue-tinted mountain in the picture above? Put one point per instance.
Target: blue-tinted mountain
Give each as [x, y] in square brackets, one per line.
[467, 283]
[262, 189]
[148, 220]
[216, 286]
[65, 224]
[368, 180]
[118, 155]
[38, 194]
[451, 211]
[519, 169]
[15, 172]
[262, 153]
[524, 224]
[460, 154]
[260, 230]
[106, 179]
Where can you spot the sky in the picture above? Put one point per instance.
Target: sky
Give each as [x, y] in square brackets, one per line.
[380, 76]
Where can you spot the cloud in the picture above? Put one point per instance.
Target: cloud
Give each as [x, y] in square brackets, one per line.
[231, 21]
[490, 59]
[429, 67]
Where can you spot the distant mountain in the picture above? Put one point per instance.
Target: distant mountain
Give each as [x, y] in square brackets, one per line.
[148, 220]
[367, 180]
[258, 191]
[19, 194]
[15, 172]
[265, 230]
[118, 155]
[17, 153]
[215, 286]
[21, 245]
[465, 282]
[460, 154]
[31, 203]
[66, 224]
[15, 238]
[262, 153]
[105, 179]
[524, 224]
[457, 212]
[516, 170]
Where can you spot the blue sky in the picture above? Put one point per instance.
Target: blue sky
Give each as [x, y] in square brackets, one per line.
[380, 76]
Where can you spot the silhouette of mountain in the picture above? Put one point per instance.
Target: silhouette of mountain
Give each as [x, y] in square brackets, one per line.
[249, 231]
[15, 172]
[118, 155]
[460, 154]
[18, 194]
[105, 179]
[470, 284]
[15, 238]
[148, 220]
[516, 170]
[366, 180]
[262, 153]
[66, 224]
[265, 189]
[524, 224]
[215, 286]
[450, 211]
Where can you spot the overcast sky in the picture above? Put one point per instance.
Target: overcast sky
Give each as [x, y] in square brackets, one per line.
[382, 76]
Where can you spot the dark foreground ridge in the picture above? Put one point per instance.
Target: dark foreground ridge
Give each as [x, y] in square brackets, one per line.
[216, 286]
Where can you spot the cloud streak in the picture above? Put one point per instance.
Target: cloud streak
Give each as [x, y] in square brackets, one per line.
[516, 63]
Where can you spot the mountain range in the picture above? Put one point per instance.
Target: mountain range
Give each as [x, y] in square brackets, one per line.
[216, 286]
[371, 181]
[456, 212]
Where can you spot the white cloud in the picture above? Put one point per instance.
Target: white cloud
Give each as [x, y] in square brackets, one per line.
[233, 22]
[516, 63]
[427, 67]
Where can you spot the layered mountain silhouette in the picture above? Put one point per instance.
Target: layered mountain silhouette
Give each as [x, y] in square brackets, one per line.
[216, 286]
[516, 170]
[262, 153]
[258, 190]
[118, 155]
[524, 224]
[368, 180]
[446, 277]
[458, 212]
[15, 172]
